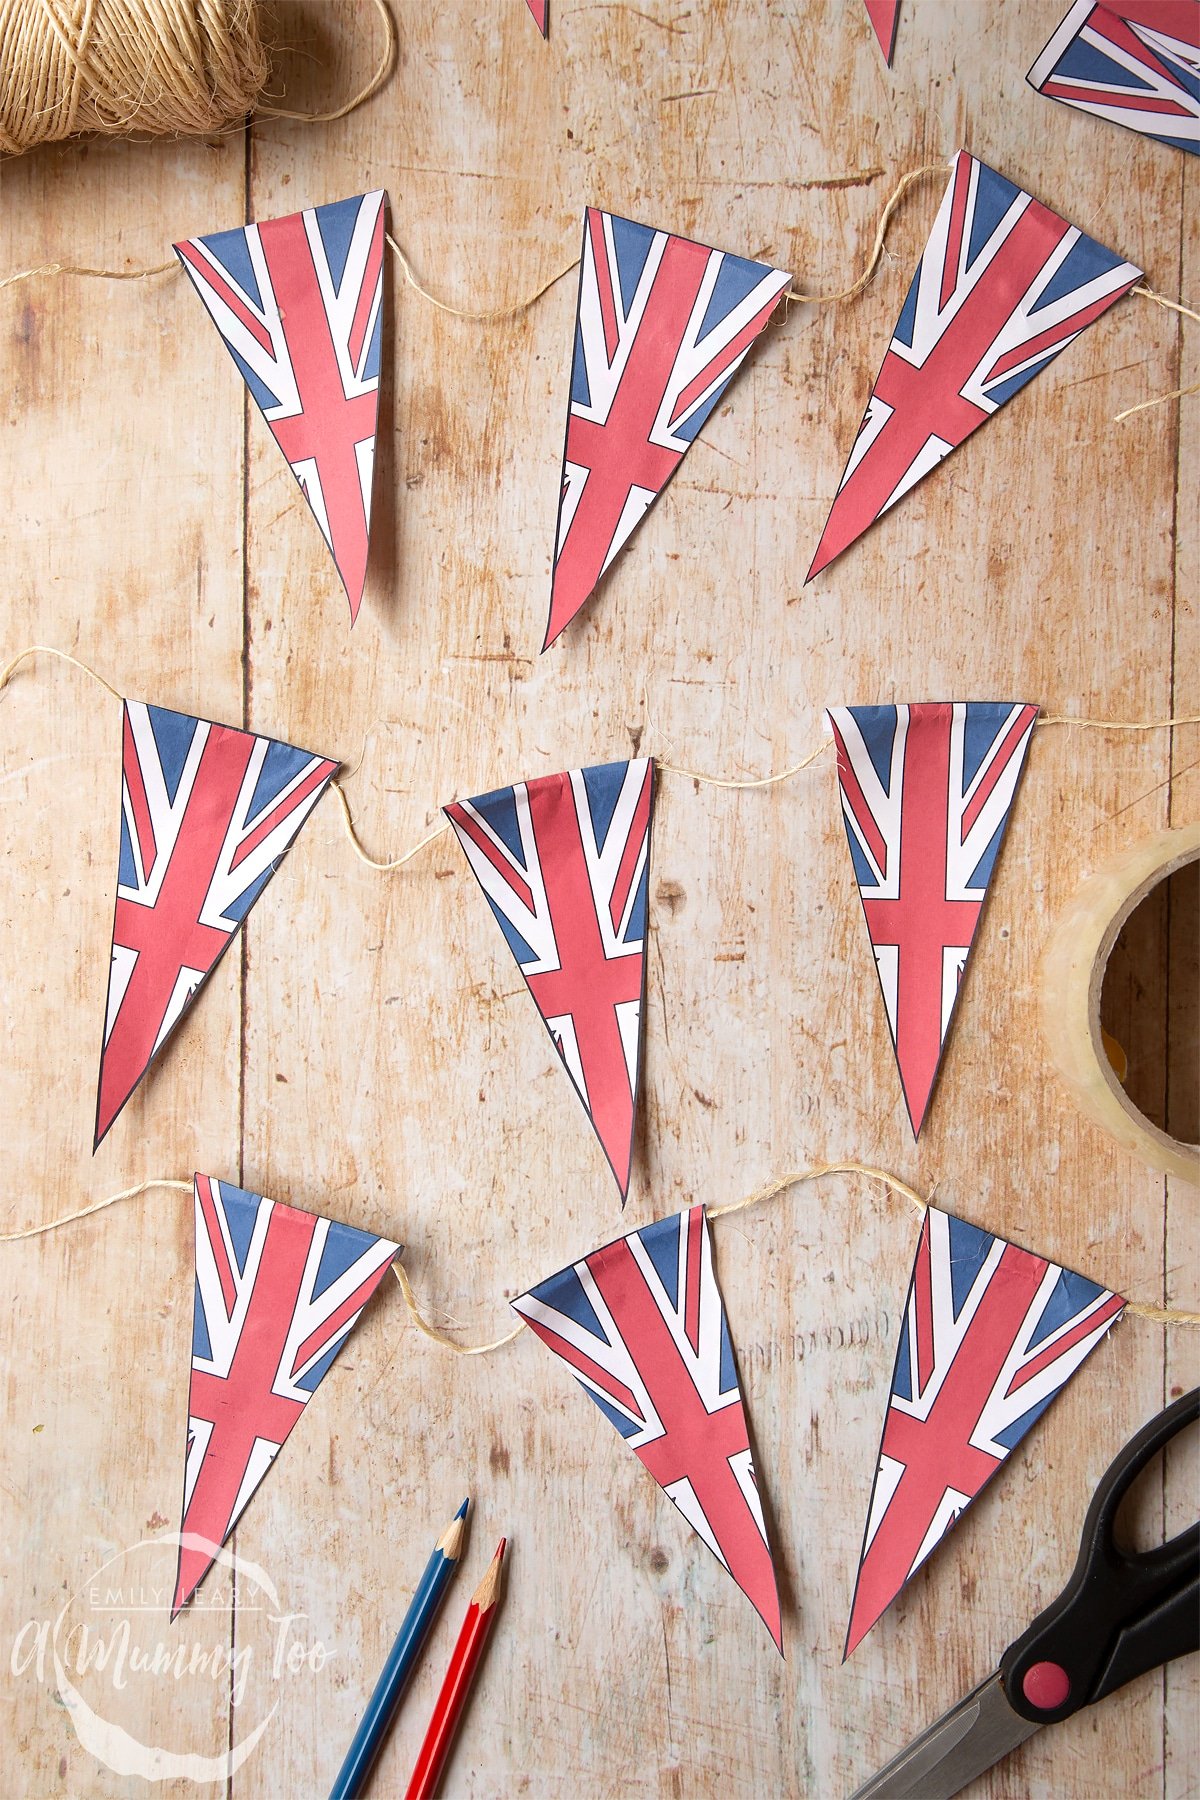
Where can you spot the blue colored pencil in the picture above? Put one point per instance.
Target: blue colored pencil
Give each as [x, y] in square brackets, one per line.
[373, 1726]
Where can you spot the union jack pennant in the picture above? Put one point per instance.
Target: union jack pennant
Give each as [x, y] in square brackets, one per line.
[641, 1325]
[1003, 286]
[278, 1292]
[565, 864]
[299, 303]
[1136, 64]
[926, 794]
[990, 1335]
[884, 15]
[662, 325]
[207, 813]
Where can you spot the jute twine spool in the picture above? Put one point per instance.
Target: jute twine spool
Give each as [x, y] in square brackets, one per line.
[126, 68]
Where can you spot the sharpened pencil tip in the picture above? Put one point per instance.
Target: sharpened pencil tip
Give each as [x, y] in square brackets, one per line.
[451, 1541]
[488, 1591]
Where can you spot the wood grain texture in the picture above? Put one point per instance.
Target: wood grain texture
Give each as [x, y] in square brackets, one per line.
[373, 1053]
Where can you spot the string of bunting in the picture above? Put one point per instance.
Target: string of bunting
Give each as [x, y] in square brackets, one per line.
[771, 1190]
[208, 811]
[629, 1319]
[663, 324]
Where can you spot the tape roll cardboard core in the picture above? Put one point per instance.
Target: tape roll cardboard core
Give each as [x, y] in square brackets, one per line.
[1072, 982]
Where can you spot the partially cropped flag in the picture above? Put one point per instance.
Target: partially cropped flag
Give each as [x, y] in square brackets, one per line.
[299, 303]
[278, 1292]
[926, 794]
[1135, 63]
[207, 813]
[641, 1325]
[661, 327]
[990, 1335]
[1003, 286]
[564, 862]
[884, 15]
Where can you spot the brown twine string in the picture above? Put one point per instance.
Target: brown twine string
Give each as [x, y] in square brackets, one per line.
[383, 69]
[1186, 312]
[142, 68]
[488, 314]
[494, 314]
[794, 298]
[791, 296]
[733, 782]
[10, 668]
[1157, 1315]
[385, 865]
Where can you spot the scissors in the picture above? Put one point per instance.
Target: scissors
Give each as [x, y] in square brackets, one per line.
[1121, 1613]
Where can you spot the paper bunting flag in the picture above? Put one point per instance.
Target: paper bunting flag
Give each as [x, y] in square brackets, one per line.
[926, 794]
[565, 864]
[541, 14]
[207, 813]
[884, 15]
[1137, 65]
[1003, 286]
[662, 324]
[278, 1292]
[641, 1325]
[990, 1335]
[299, 303]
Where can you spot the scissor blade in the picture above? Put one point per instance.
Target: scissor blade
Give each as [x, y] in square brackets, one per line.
[964, 1743]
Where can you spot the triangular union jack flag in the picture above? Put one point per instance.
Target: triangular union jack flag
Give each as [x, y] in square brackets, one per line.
[1135, 64]
[541, 14]
[661, 326]
[641, 1325]
[207, 813]
[278, 1292]
[1003, 286]
[884, 15]
[926, 794]
[299, 303]
[990, 1335]
[565, 864]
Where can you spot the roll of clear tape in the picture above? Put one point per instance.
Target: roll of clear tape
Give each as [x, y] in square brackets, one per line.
[1072, 983]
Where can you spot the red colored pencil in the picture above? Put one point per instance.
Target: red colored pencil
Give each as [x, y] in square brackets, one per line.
[457, 1685]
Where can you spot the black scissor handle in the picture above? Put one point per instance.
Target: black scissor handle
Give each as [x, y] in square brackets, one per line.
[1123, 1611]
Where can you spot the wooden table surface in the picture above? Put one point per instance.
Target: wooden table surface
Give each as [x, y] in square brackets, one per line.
[367, 1048]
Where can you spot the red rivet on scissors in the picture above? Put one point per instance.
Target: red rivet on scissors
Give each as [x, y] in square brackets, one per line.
[1046, 1685]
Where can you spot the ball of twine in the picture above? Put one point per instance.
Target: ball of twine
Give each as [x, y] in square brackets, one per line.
[125, 68]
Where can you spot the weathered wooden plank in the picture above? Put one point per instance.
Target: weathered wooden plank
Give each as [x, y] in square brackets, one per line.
[123, 545]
